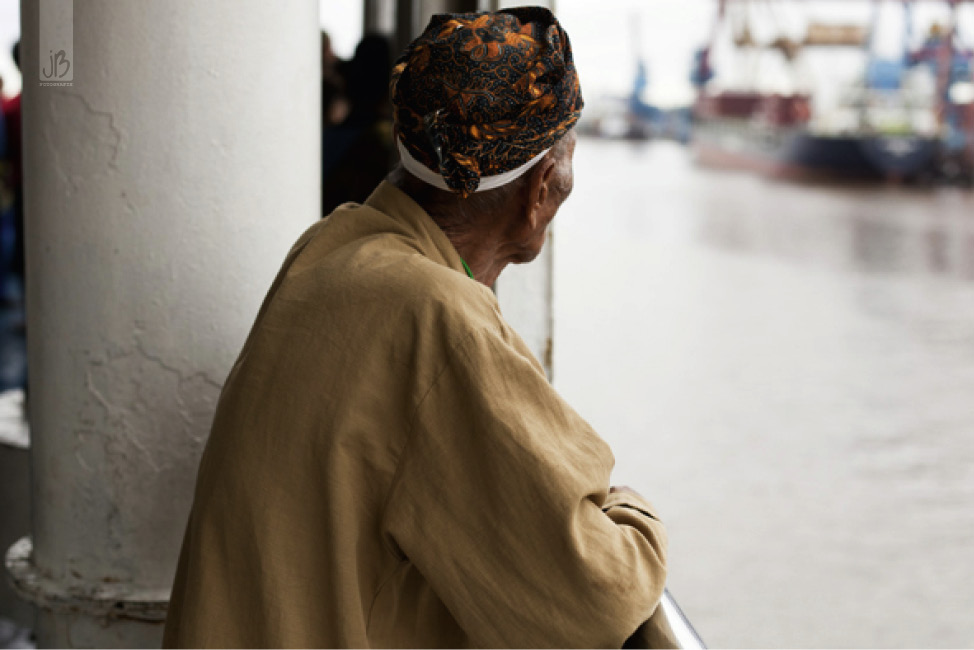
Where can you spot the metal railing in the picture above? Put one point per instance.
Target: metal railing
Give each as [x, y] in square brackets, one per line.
[668, 627]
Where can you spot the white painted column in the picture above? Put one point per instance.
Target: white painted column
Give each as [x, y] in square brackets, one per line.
[163, 189]
[526, 296]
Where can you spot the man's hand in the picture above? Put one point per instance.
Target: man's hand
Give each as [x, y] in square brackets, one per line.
[625, 489]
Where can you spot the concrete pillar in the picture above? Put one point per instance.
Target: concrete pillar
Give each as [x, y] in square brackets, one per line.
[163, 189]
[526, 296]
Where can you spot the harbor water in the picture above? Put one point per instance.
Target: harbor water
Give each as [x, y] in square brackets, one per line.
[787, 371]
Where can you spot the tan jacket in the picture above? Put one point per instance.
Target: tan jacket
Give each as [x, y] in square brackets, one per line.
[389, 466]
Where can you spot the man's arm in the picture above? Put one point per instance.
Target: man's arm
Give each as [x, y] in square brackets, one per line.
[501, 503]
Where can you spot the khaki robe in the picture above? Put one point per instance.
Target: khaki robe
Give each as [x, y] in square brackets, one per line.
[389, 466]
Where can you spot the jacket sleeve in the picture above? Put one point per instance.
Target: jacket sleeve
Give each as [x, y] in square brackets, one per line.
[501, 502]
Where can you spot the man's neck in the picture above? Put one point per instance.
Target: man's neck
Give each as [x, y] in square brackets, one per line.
[483, 256]
[484, 251]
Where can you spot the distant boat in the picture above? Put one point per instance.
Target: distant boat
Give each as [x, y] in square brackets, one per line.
[889, 128]
[632, 118]
[771, 135]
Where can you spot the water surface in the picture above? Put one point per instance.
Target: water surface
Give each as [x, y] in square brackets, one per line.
[787, 371]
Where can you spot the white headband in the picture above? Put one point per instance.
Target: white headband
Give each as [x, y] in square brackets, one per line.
[427, 175]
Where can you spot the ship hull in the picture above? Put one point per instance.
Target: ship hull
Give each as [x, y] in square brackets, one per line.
[796, 152]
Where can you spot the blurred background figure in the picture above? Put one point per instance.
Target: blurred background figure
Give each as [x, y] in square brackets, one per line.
[11, 118]
[13, 360]
[6, 168]
[334, 107]
[359, 152]
[15, 614]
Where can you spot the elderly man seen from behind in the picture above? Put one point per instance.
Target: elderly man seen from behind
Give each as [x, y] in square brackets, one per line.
[389, 465]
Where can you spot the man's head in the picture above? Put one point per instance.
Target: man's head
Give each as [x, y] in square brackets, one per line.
[484, 106]
[478, 97]
[509, 221]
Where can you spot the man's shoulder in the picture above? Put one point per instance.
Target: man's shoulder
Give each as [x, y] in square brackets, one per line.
[433, 292]
[350, 266]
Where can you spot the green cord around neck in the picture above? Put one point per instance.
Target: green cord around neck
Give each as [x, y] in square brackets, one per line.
[467, 268]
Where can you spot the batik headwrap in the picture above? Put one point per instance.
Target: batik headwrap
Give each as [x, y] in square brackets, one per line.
[478, 95]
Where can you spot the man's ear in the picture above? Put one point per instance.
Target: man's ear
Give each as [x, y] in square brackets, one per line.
[539, 187]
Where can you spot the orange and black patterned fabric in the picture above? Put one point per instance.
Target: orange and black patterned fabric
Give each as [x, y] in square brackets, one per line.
[481, 94]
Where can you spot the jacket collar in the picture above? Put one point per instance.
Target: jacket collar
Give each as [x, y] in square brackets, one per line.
[433, 242]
